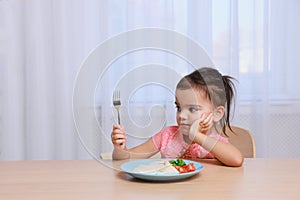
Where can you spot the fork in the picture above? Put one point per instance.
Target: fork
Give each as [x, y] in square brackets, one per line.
[117, 103]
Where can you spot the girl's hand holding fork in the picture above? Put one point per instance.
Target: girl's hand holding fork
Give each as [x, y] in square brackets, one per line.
[118, 136]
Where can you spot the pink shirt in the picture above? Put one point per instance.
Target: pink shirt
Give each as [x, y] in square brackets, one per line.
[171, 144]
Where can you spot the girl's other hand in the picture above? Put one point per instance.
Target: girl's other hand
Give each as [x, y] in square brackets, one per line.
[205, 123]
[118, 136]
[201, 125]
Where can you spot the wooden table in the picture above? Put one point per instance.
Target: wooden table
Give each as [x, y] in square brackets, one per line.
[89, 179]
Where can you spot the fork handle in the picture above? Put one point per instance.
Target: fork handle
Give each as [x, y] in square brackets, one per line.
[119, 120]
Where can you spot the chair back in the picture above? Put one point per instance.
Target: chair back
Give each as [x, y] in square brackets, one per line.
[243, 140]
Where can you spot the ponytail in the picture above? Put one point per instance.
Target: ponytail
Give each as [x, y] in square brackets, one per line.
[230, 91]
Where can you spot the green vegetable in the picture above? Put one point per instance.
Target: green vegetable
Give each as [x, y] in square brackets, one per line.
[177, 162]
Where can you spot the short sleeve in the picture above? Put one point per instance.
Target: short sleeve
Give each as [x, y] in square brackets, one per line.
[157, 138]
[169, 142]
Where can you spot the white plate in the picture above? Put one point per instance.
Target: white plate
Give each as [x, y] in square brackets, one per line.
[129, 166]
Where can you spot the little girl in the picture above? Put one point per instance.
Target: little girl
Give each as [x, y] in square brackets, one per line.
[203, 100]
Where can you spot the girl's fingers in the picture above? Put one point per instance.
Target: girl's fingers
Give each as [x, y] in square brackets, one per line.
[118, 136]
[118, 131]
[118, 141]
[208, 118]
[206, 122]
[118, 127]
[202, 117]
[210, 121]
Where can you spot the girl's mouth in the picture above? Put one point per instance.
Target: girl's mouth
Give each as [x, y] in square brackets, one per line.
[184, 128]
[184, 125]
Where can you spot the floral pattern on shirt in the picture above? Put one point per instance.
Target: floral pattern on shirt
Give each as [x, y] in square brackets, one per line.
[171, 144]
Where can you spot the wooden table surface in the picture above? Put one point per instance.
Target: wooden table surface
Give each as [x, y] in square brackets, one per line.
[258, 178]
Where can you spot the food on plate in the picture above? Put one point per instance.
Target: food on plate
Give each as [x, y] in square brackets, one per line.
[165, 167]
[157, 167]
[177, 162]
[181, 166]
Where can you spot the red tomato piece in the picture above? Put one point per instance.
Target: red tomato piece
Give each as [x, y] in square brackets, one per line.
[186, 168]
[191, 167]
[179, 169]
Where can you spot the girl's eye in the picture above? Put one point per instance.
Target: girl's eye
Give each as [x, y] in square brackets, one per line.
[193, 110]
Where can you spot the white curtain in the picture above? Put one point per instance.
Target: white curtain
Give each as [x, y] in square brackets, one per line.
[44, 44]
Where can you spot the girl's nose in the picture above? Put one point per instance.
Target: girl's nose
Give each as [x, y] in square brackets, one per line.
[182, 115]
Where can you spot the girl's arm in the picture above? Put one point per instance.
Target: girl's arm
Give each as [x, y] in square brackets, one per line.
[224, 152]
[120, 152]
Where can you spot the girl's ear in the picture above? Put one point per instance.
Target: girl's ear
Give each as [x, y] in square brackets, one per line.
[218, 113]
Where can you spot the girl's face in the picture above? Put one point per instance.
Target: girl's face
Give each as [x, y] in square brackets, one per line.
[190, 106]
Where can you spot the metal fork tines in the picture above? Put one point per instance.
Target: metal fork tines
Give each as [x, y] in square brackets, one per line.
[117, 103]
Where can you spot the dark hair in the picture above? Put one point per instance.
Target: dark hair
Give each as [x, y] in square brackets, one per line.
[219, 89]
